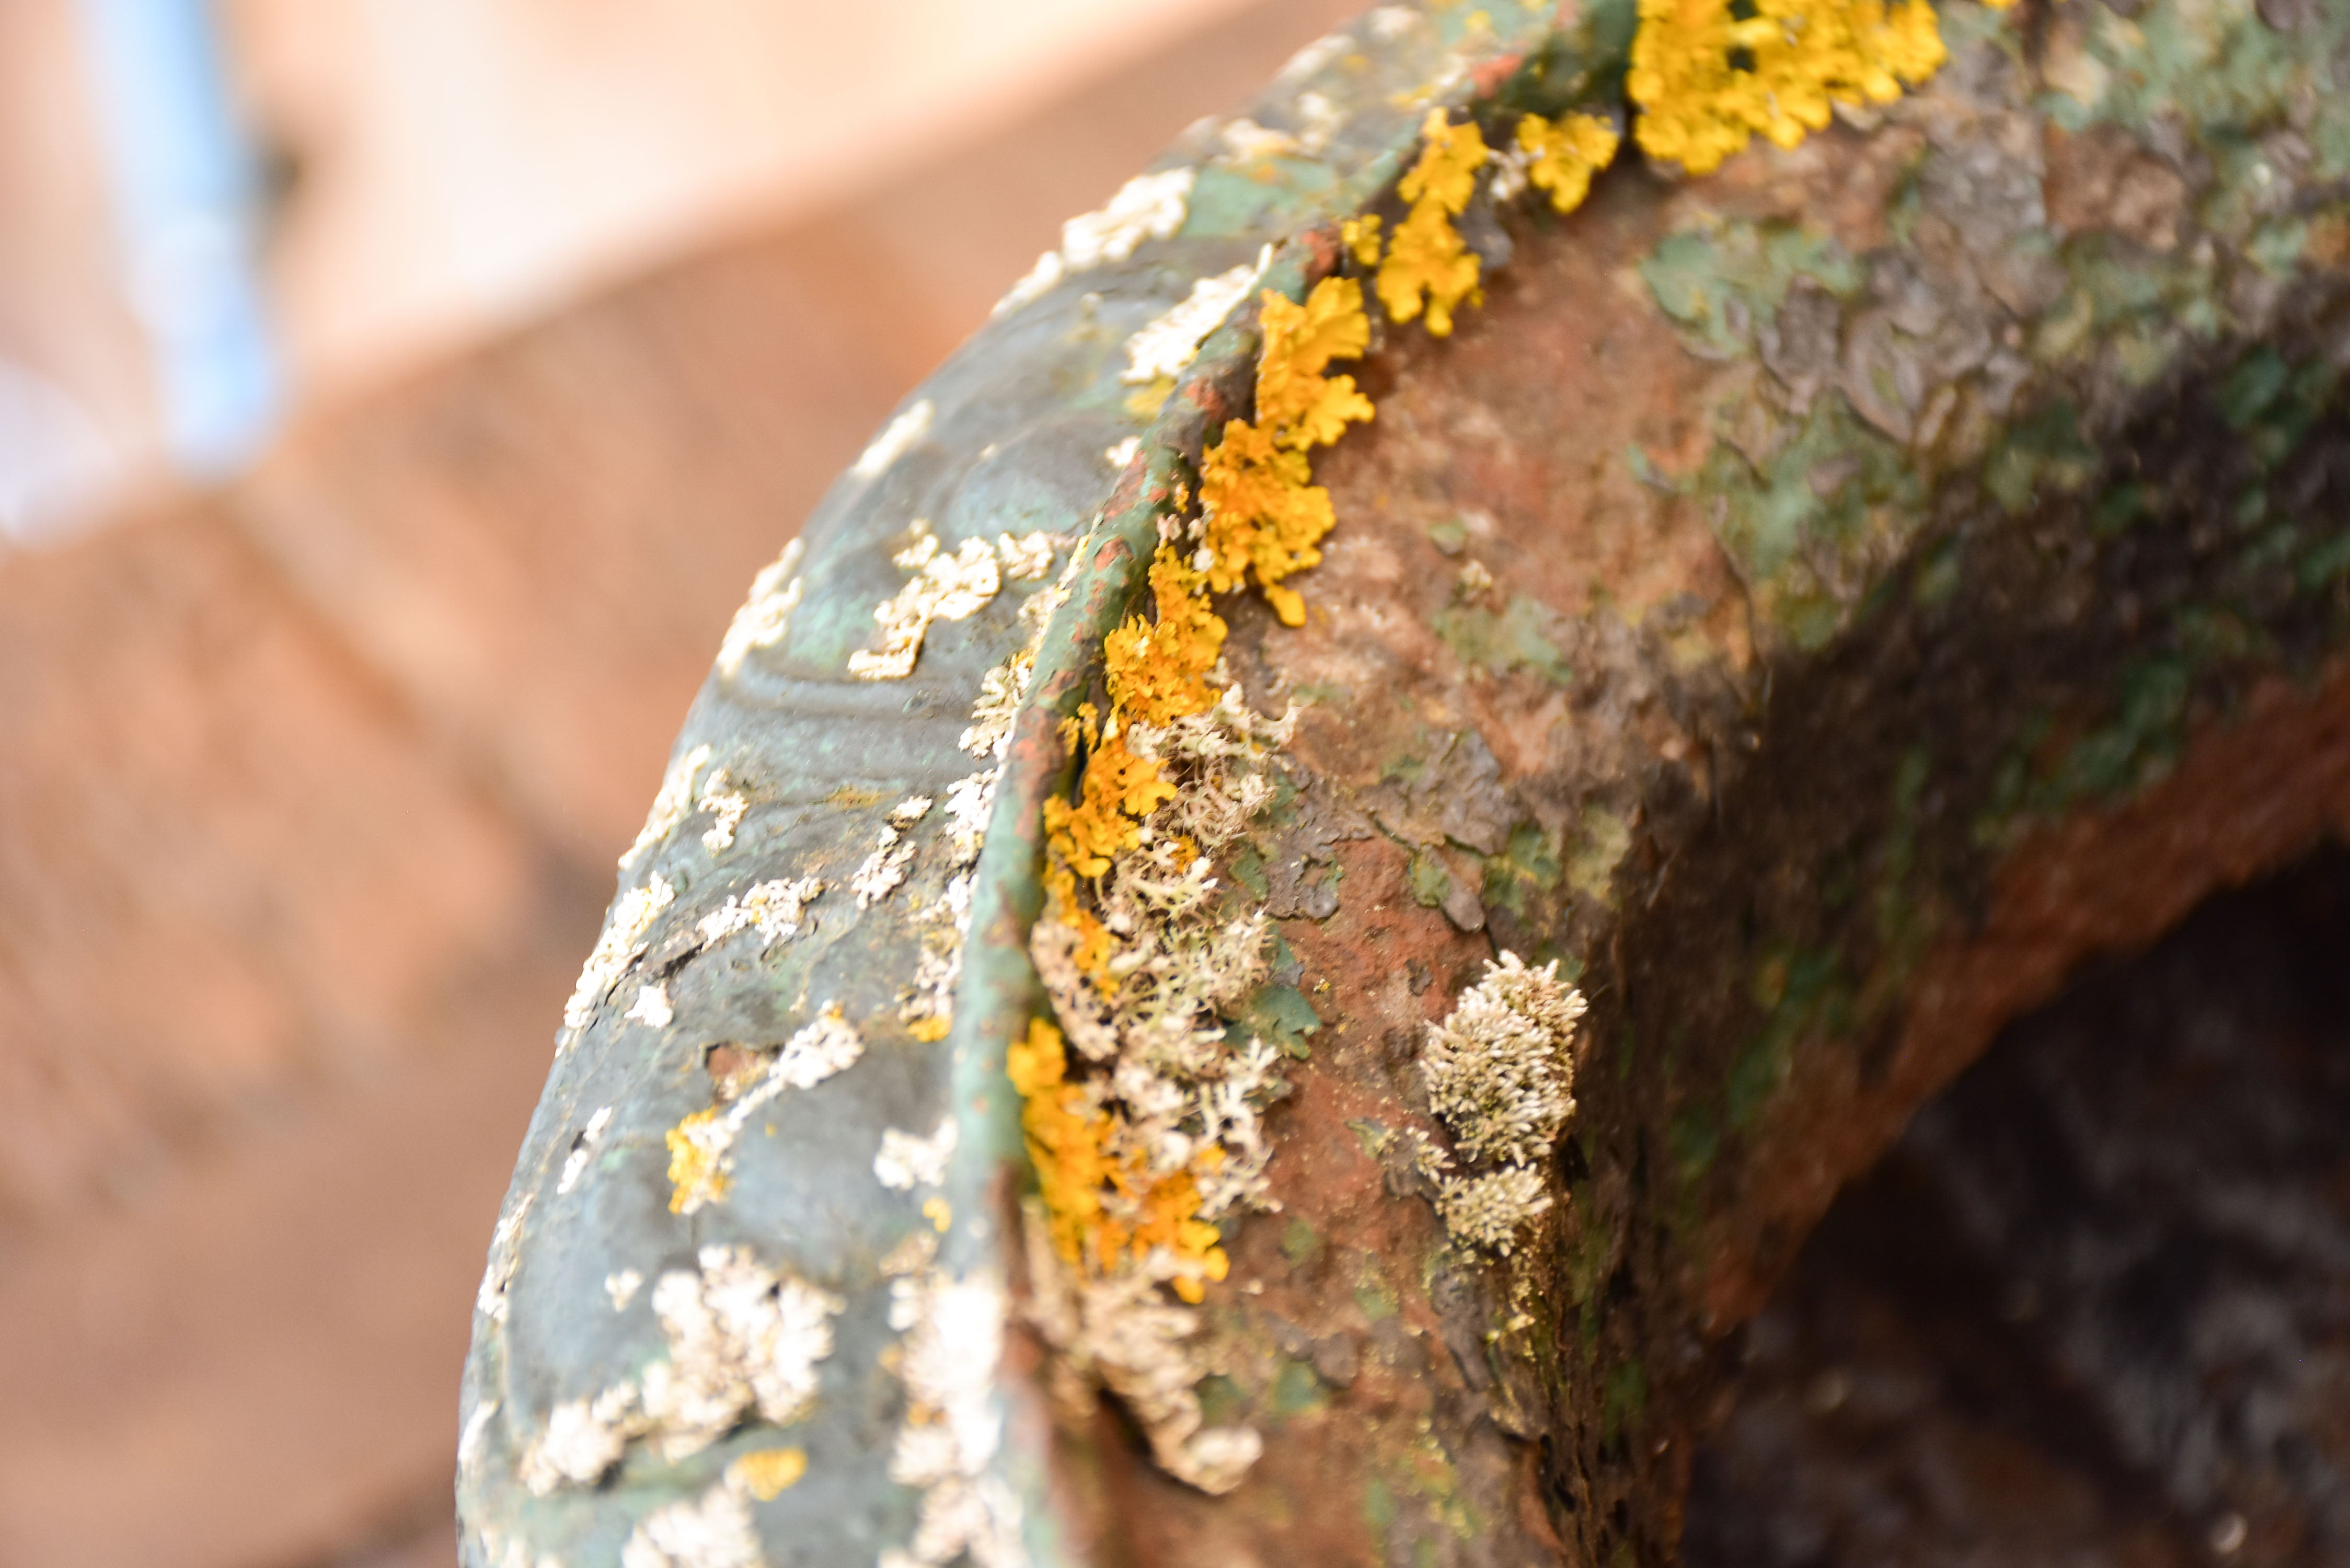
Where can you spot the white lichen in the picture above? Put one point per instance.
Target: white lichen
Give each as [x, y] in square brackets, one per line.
[651, 1006]
[1510, 165]
[583, 1148]
[1320, 120]
[1167, 347]
[714, 1531]
[1490, 1209]
[953, 1427]
[584, 1437]
[909, 1161]
[766, 618]
[1171, 1085]
[1148, 206]
[776, 908]
[505, 1253]
[476, 1428]
[671, 804]
[1309, 60]
[1123, 453]
[1245, 141]
[1002, 689]
[1499, 1074]
[726, 806]
[828, 1045]
[945, 587]
[1122, 1332]
[622, 1286]
[742, 1336]
[971, 801]
[620, 944]
[883, 869]
[894, 442]
[1025, 559]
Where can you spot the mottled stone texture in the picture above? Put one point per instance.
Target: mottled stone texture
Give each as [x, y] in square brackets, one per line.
[1907, 565]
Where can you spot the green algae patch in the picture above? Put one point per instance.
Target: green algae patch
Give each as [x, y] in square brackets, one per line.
[1811, 527]
[1519, 637]
[1719, 284]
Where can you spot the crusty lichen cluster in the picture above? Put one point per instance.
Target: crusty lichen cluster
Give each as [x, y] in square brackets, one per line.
[1500, 1072]
[1708, 79]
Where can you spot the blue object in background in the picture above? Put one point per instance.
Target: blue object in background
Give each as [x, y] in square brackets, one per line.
[187, 206]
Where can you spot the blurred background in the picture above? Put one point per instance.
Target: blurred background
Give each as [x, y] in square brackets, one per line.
[395, 399]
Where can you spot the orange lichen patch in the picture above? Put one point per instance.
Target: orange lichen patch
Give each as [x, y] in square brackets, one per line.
[1262, 515]
[1158, 671]
[1167, 1210]
[1449, 156]
[1118, 791]
[1427, 267]
[1065, 1137]
[1295, 401]
[1562, 156]
[1707, 80]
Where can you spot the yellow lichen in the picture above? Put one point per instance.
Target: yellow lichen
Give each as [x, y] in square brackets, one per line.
[1706, 80]
[1361, 238]
[697, 1160]
[1301, 407]
[1562, 156]
[1080, 1182]
[1158, 671]
[1262, 515]
[1427, 267]
[1118, 791]
[768, 1473]
[1065, 1137]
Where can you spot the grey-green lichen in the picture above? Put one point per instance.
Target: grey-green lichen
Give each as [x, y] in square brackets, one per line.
[1500, 1072]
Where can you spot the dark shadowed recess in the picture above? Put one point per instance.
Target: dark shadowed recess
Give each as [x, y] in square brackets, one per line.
[2094, 1306]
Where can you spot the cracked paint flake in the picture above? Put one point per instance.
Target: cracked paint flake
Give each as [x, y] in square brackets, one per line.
[766, 618]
